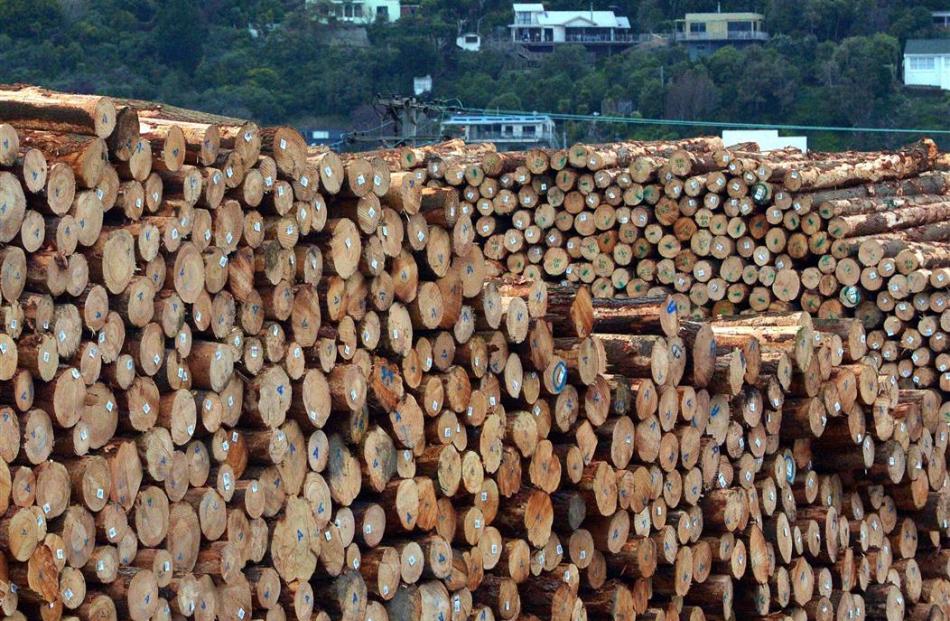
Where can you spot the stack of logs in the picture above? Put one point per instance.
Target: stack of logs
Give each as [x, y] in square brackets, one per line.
[726, 231]
[241, 379]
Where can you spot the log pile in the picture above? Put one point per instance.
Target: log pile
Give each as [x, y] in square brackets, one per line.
[727, 232]
[244, 379]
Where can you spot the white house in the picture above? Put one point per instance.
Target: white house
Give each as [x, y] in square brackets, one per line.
[469, 41]
[361, 11]
[927, 63]
[422, 85]
[534, 25]
[506, 131]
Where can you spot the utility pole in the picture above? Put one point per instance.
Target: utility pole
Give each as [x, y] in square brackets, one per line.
[410, 118]
[404, 113]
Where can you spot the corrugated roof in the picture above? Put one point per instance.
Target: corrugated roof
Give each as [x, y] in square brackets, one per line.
[722, 16]
[927, 46]
[602, 19]
[490, 120]
[599, 19]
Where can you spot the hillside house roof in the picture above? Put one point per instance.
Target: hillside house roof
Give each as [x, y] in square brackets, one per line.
[935, 47]
[575, 19]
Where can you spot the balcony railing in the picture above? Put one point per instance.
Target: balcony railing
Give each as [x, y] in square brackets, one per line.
[732, 35]
[620, 37]
[535, 35]
[548, 137]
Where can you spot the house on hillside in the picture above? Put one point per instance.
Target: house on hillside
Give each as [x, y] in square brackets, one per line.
[941, 19]
[540, 30]
[927, 63]
[508, 132]
[359, 11]
[322, 136]
[469, 41]
[704, 33]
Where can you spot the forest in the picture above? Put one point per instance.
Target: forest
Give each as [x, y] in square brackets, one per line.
[827, 63]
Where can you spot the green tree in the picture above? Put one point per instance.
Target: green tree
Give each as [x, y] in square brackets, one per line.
[30, 18]
[692, 96]
[505, 101]
[179, 34]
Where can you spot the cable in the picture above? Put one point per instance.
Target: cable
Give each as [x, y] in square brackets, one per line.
[374, 129]
[721, 124]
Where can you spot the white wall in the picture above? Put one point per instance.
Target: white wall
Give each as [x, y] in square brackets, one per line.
[369, 10]
[474, 46]
[767, 139]
[939, 76]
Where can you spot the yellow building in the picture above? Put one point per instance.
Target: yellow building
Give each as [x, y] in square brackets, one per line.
[703, 33]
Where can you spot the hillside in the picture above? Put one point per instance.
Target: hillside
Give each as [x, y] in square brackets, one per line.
[830, 62]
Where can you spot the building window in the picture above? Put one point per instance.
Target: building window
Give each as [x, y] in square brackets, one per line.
[740, 26]
[382, 12]
[529, 130]
[697, 27]
[471, 38]
[353, 10]
[522, 18]
[922, 63]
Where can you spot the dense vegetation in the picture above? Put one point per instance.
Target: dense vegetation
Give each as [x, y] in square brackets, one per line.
[829, 62]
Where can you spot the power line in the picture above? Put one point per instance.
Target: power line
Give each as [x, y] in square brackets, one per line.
[596, 118]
